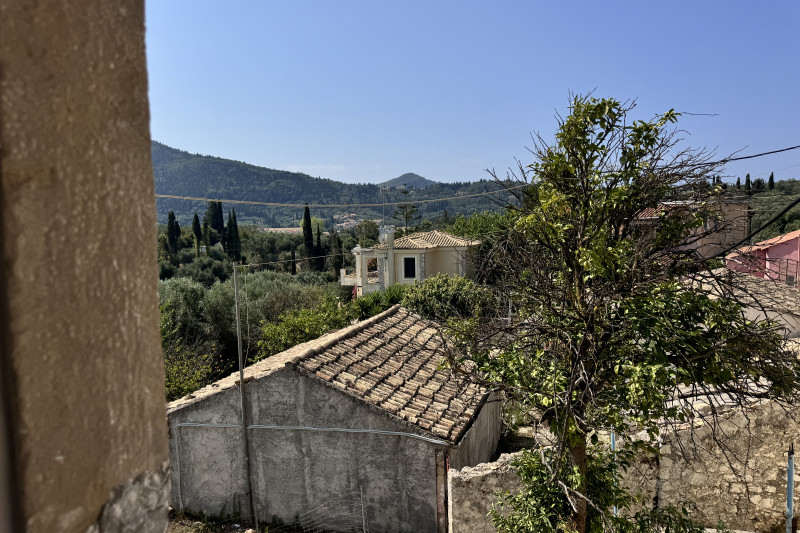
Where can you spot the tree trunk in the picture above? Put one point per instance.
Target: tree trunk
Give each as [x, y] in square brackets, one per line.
[578, 453]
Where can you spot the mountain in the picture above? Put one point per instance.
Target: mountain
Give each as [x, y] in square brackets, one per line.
[410, 180]
[180, 173]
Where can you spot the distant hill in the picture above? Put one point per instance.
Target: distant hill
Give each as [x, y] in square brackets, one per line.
[183, 174]
[410, 180]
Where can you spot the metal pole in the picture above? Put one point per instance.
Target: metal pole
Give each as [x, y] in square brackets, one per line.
[245, 438]
[613, 450]
[790, 489]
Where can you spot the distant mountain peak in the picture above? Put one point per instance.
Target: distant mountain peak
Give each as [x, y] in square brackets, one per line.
[410, 180]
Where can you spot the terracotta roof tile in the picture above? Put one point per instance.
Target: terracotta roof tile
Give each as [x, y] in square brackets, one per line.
[393, 364]
[428, 239]
[390, 361]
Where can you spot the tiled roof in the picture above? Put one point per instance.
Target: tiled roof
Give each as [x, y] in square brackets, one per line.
[767, 243]
[755, 292]
[427, 239]
[393, 364]
[390, 361]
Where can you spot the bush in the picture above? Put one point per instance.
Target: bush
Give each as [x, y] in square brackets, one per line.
[443, 298]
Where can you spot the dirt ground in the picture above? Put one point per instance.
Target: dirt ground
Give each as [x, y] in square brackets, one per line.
[184, 524]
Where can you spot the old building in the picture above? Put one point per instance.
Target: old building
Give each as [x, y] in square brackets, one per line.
[366, 411]
[728, 225]
[408, 259]
[777, 258]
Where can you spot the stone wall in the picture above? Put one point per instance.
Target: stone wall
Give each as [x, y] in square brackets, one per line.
[744, 485]
[471, 493]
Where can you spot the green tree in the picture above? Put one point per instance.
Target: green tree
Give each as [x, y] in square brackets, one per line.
[747, 185]
[367, 233]
[308, 239]
[337, 259]
[738, 183]
[771, 182]
[406, 212]
[213, 218]
[232, 240]
[197, 232]
[173, 235]
[614, 319]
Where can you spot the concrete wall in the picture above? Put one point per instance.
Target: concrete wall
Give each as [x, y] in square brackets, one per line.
[81, 362]
[296, 471]
[480, 442]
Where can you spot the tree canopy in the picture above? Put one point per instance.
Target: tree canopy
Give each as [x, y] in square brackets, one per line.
[617, 324]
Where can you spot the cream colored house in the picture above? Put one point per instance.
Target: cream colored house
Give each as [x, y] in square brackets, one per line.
[408, 259]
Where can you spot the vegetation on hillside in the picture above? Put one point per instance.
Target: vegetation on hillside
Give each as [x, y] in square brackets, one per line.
[183, 174]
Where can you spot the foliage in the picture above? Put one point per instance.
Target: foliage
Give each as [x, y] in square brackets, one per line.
[613, 315]
[367, 233]
[444, 297]
[180, 173]
[302, 325]
[188, 366]
[406, 212]
[298, 326]
[207, 314]
[376, 302]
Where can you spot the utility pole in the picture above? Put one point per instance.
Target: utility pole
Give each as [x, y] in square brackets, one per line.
[245, 436]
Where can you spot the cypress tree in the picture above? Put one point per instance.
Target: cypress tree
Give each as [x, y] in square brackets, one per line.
[739, 183]
[771, 182]
[216, 222]
[336, 249]
[234, 244]
[173, 233]
[294, 265]
[308, 237]
[748, 188]
[319, 253]
[197, 231]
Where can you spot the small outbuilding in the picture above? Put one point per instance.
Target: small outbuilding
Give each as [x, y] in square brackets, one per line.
[362, 420]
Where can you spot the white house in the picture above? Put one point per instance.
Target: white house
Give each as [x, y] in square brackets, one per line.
[409, 259]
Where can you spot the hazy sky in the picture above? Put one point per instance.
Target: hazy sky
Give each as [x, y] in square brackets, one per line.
[365, 91]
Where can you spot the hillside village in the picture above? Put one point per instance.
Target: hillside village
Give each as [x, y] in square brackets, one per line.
[603, 338]
[384, 378]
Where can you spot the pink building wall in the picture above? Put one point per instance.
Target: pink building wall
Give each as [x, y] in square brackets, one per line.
[777, 258]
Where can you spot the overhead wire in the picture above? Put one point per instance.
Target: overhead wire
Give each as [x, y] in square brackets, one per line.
[317, 206]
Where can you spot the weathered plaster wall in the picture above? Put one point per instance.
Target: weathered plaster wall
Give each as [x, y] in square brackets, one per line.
[480, 442]
[81, 359]
[295, 471]
[471, 492]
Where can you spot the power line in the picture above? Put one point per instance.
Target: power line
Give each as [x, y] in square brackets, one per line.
[729, 159]
[317, 206]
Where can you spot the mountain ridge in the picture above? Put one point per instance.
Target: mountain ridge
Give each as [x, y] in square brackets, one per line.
[180, 173]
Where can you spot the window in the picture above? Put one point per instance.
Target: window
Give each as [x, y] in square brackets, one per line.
[409, 267]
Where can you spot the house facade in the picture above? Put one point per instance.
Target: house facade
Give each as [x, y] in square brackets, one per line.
[408, 259]
[729, 225]
[362, 420]
[777, 258]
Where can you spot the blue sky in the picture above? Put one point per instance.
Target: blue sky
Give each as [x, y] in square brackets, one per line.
[363, 91]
